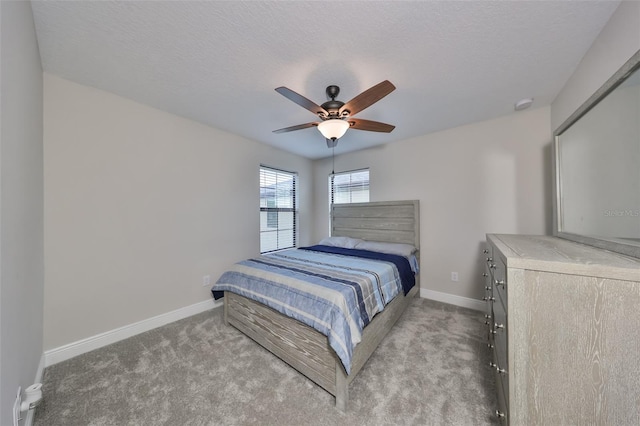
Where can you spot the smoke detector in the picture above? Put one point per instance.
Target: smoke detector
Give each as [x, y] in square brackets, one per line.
[523, 104]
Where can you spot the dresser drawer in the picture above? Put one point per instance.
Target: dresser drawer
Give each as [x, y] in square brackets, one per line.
[490, 263]
[489, 318]
[487, 250]
[501, 357]
[489, 298]
[502, 412]
[488, 295]
[500, 363]
[499, 282]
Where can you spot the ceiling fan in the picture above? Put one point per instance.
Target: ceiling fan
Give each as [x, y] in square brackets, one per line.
[336, 116]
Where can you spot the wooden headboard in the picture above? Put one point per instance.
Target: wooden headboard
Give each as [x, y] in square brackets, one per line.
[389, 221]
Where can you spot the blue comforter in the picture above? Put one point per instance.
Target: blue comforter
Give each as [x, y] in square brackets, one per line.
[334, 290]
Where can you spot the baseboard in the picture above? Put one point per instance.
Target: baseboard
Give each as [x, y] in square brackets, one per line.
[62, 353]
[452, 299]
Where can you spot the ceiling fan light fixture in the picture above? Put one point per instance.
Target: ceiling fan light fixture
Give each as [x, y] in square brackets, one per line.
[333, 128]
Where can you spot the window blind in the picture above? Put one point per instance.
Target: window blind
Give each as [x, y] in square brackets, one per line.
[349, 187]
[277, 209]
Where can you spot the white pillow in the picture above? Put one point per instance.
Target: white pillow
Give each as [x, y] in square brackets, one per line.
[344, 242]
[399, 249]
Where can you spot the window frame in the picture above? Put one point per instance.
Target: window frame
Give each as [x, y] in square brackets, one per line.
[349, 172]
[273, 211]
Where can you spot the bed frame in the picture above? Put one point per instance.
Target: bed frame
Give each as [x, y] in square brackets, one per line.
[306, 349]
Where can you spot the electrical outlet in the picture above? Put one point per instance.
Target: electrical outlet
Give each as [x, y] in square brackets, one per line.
[206, 280]
[454, 276]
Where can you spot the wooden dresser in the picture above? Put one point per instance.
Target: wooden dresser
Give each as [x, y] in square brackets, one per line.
[563, 323]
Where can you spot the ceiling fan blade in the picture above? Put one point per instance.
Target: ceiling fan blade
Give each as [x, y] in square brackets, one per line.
[372, 126]
[368, 97]
[298, 127]
[302, 101]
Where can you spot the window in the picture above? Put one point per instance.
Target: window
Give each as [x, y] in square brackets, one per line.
[277, 209]
[349, 187]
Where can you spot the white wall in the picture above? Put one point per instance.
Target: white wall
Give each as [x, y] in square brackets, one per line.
[140, 205]
[21, 211]
[615, 44]
[488, 177]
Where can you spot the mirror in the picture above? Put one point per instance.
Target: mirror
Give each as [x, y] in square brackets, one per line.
[597, 152]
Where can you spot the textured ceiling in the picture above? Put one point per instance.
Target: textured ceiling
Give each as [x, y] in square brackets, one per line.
[218, 63]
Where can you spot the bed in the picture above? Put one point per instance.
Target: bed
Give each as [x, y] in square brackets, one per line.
[303, 346]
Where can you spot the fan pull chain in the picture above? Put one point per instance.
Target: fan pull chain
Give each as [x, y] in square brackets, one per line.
[333, 160]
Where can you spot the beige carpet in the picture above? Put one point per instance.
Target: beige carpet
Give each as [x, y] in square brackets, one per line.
[432, 369]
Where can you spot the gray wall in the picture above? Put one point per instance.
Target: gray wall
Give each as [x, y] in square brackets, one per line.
[615, 44]
[487, 177]
[21, 204]
[140, 204]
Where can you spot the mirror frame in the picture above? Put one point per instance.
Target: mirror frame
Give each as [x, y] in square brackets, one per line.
[611, 244]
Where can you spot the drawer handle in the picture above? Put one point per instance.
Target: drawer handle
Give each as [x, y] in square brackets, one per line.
[490, 345]
[498, 369]
[493, 299]
[499, 282]
[500, 414]
[489, 259]
[487, 287]
[487, 316]
[492, 266]
[496, 325]
[485, 251]
[484, 274]
[487, 323]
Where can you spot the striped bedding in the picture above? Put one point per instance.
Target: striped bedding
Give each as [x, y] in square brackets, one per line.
[334, 290]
